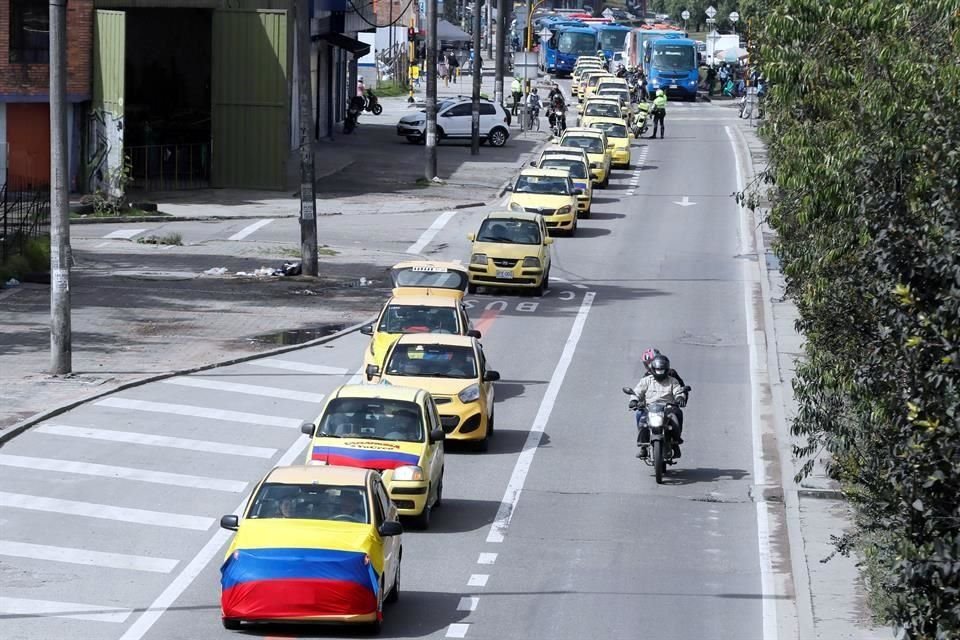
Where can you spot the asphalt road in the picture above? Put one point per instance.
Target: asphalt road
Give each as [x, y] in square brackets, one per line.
[108, 527]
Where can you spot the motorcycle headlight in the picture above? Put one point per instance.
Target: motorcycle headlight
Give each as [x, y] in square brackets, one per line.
[564, 210]
[655, 419]
[408, 473]
[470, 394]
[531, 261]
[515, 206]
[478, 258]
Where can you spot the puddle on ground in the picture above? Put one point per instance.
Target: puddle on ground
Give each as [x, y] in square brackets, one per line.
[296, 336]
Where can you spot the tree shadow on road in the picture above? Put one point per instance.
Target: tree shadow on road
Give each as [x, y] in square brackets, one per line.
[699, 475]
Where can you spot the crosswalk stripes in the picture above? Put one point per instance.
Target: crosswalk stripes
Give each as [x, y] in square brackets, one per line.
[154, 440]
[104, 511]
[249, 389]
[54, 609]
[200, 412]
[68, 555]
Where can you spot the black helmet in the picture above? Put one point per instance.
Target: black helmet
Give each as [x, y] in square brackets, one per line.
[660, 367]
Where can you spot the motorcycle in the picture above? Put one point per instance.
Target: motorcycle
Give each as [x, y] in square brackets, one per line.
[657, 436]
[641, 121]
[371, 103]
[557, 118]
[353, 113]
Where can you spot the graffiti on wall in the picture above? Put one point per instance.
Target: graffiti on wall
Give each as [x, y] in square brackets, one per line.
[104, 157]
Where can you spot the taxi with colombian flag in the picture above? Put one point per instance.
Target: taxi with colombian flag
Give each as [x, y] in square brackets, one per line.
[392, 429]
[454, 370]
[312, 544]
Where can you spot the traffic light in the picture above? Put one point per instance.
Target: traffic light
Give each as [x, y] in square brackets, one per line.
[411, 34]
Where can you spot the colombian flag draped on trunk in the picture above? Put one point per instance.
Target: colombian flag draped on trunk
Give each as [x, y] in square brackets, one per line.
[366, 456]
[289, 583]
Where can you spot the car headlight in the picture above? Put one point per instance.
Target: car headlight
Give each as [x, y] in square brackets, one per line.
[471, 393]
[655, 82]
[408, 473]
[516, 206]
[531, 261]
[564, 210]
[318, 463]
[655, 419]
[692, 82]
[478, 258]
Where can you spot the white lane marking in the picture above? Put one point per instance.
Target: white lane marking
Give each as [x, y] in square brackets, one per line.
[185, 578]
[458, 630]
[250, 228]
[478, 580]
[511, 496]
[303, 367]
[580, 286]
[123, 473]
[53, 609]
[123, 234]
[104, 511]
[150, 440]
[85, 557]
[432, 231]
[748, 246]
[468, 603]
[487, 558]
[685, 202]
[200, 412]
[249, 389]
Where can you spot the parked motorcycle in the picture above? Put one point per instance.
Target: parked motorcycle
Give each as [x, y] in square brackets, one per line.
[353, 113]
[657, 426]
[372, 103]
[641, 120]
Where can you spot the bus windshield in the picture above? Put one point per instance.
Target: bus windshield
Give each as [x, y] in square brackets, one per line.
[613, 39]
[673, 57]
[578, 43]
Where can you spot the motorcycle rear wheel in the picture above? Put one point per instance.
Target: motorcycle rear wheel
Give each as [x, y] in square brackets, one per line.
[377, 109]
[658, 463]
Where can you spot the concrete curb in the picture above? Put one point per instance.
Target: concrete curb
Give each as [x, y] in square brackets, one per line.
[799, 570]
[470, 205]
[24, 425]
[133, 220]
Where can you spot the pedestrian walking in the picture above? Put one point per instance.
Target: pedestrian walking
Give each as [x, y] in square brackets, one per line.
[453, 65]
[659, 112]
[442, 70]
[711, 79]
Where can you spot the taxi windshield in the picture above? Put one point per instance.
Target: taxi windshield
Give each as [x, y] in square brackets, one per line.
[432, 360]
[546, 185]
[310, 502]
[590, 144]
[372, 419]
[512, 231]
[575, 167]
[612, 129]
[402, 318]
[622, 94]
[603, 109]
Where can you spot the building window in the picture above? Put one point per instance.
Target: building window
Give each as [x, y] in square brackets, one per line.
[29, 31]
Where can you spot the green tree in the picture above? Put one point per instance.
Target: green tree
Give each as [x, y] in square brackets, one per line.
[864, 138]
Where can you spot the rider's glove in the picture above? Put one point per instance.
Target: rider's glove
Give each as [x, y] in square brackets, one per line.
[682, 401]
[634, 404]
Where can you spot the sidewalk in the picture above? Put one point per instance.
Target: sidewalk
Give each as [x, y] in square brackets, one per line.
[831, 599]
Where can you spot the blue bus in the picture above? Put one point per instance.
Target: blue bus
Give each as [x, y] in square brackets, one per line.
[567, 43]
[671, 63]
[611, 38]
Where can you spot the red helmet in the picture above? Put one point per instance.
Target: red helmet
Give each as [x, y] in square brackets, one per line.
[649, 355]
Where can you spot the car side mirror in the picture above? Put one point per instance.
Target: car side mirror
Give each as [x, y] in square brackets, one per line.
[509, 187]
[554, 140]
[231, 522]
[471, 237]
[473, 333]
[491, 376]
[578, 192]
[372, 370]
[367, 329]
[533, 163]
[548, 240]
[437, 435]
[389, 529]
[307, 428]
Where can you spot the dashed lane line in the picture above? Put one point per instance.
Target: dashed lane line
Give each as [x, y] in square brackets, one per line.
[123, 234]
[458, 630]
[478, 580]
[54, 465]
[249, 389]
[69, 555]
[200, 412]
[104, 511]
[72, 610]
[468, 603]
[153, 440]
[487, 558]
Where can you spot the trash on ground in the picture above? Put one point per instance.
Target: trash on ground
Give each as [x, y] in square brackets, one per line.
[12, 282]
[216, 271]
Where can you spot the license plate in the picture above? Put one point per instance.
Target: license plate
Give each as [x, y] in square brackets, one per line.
[673, 86]
[504, 275]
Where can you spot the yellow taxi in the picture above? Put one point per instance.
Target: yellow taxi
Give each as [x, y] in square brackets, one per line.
[585, 79]
[312, 544]
[601, 107]
[549, 193]
[618, 137]
[593, 81]
[577, 166]
[454, 370]
[594, 142]
[411, 310]
[583, 65]
[510, 249]
[394, 430]
[414, 276]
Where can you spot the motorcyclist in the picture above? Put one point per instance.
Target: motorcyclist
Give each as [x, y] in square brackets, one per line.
[647, 359]
[558, 109]
[621, 71]
[659, 385]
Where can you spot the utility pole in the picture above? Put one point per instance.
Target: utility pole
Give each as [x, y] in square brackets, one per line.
[477, 77]
[61, 339]
[502, 9]
[430, 65]
[489, 4]
[308, 196]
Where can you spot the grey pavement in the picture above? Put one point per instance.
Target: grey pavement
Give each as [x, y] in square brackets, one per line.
[557, 533]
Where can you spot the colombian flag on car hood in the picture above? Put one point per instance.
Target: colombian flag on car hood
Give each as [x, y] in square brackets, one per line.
[368, 454]
[310, 569]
